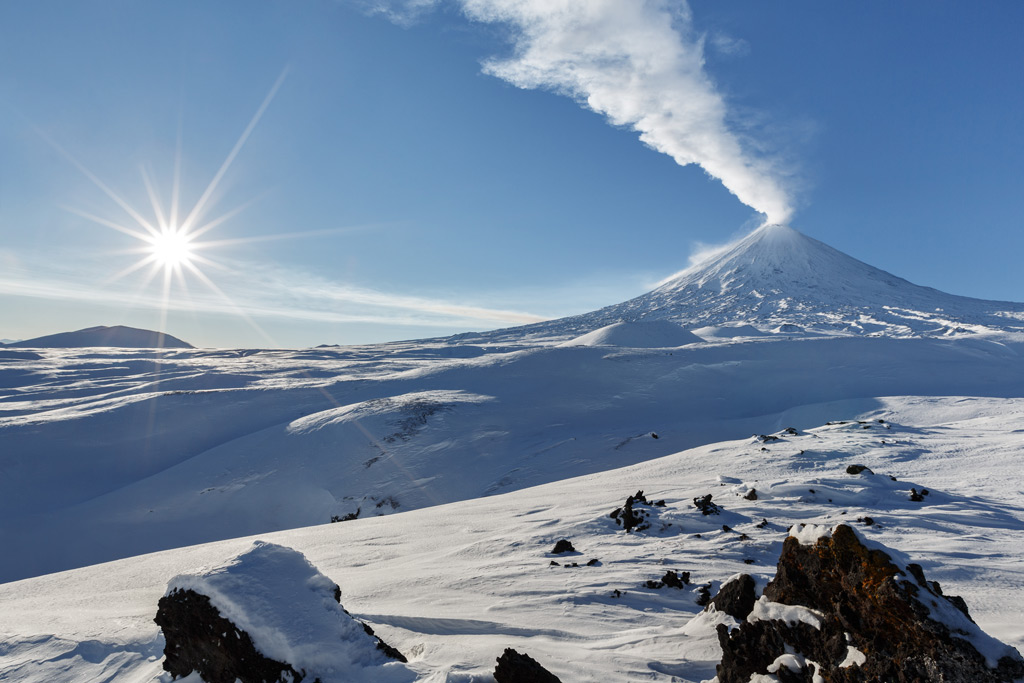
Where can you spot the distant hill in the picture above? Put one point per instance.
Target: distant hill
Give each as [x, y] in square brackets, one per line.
[116, 336]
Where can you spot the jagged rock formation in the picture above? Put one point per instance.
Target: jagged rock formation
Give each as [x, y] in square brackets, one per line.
[521, 668]
[840, 610]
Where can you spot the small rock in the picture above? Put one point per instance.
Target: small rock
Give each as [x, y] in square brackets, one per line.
[857, 469]
[563, 546]
[751, 494]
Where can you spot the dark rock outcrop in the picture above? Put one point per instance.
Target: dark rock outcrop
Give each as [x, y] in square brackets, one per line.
[855, 614]
[199, 639]
[857, 469]
[521, 668]
[737, 597]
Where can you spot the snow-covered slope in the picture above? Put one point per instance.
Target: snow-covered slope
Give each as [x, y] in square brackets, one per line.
[117, 336]
[778, 276]
[163, 449]
[452, 586]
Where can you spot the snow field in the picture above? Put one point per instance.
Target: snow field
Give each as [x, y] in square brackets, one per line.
[452, 586]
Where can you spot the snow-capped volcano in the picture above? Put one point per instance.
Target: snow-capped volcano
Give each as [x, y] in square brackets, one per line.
[778, 276]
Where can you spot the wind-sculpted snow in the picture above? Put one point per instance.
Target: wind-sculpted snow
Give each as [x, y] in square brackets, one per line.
[453, 586]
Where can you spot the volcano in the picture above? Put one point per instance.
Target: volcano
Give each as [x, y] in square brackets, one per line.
[777, 277]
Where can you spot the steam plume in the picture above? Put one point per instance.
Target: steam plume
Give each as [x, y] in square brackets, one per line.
[638, 63]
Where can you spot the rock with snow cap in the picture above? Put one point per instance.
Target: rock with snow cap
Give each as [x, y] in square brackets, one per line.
[269, 615]
[841, 608]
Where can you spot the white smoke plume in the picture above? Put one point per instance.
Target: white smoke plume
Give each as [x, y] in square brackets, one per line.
[640, 64]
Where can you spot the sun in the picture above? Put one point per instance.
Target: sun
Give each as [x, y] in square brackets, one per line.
[172, 248]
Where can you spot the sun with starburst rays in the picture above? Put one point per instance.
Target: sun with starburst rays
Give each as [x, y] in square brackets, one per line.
[170, 240]
[172, 248]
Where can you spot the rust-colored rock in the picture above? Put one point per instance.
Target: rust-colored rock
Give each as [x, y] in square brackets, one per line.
[901, 624]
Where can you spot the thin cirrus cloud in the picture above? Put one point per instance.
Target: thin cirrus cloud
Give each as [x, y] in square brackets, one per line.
[264, 292]
[639, 63]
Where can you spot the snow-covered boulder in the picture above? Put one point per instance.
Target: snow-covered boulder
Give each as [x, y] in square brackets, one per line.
[638, 334]
[269, 615]
[841, 608]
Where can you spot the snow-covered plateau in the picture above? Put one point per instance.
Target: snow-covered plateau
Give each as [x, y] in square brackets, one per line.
[457, 463]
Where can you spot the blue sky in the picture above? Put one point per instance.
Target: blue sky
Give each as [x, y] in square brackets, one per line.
[417, 174]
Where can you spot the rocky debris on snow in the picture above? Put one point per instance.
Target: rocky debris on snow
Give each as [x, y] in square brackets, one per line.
[762, 524]
[705, 505]
[841, 609]
[736, 597]
[563, 546]
[857, 469]
[916, 496]
[791, 431]
[630, 517]
[347, 518]
[521, 668]
[751, 495]
[269, 615]
[866, 521]
[671, 579]
[766, 438]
